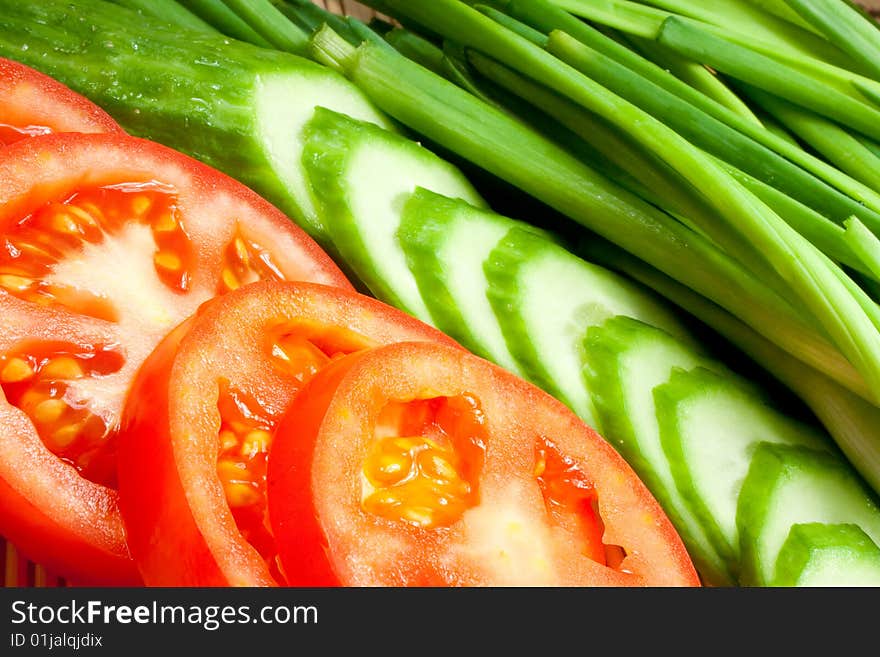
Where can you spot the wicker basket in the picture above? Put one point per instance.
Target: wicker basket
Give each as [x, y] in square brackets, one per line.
[18, 571]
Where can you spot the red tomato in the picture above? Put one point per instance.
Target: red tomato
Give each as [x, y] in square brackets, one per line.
[109, 242]
[35, 104]
[199, 422]
[416, 464]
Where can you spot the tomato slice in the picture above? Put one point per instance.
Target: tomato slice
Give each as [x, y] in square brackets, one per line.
[419, 465]
[199, 422]
[35, 104]
[109, 242]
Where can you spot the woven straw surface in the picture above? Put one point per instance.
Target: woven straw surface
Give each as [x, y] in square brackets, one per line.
[17, 571]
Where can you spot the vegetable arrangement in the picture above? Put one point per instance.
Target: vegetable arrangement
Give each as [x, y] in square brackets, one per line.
[153, 341]
[723, 156]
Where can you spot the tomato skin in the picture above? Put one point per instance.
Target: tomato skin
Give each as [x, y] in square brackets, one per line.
[171, 497]
[58, 518]
[161, 500]
[52, 514]
[326, 538]
[34, 103]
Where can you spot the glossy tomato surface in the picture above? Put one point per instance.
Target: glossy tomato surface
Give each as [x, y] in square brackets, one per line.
[198, 428]
[420, 465]
[35, 104]
[109, 242]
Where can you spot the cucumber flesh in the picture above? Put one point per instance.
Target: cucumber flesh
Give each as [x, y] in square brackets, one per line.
[816, 554]
[546, 298]
[234, 106]
[625, 360]
[709, 427]
[791, 485]
[446, 241]
[281, 132]
[361, 178]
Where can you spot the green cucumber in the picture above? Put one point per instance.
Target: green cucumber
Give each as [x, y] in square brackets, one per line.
[816, 554]
[709, 427]
[787, 486]
[545, 299]
[362, 176]
[446, 242]
[234, 106]
[625, 359]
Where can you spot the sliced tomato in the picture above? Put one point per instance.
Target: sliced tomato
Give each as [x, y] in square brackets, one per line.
[109, 242]
[199, 423]
[420, 465]
[35, 104]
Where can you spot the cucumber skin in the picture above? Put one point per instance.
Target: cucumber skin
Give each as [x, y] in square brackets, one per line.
[603, 347]
[769, 463]
[187, 90]
[805, 537]
[418, 235]
[501, 269]
[685, 385]
[330, 139]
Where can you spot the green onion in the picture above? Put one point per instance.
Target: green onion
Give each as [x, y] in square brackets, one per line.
[864, 243]
[267, 20]
[414, 47]
[696, 43]
[224, 20]
[828, 138]
[737, 21]
[309, 17]
[712, 126]
[696, 75]
[169, 11]
[844, 27]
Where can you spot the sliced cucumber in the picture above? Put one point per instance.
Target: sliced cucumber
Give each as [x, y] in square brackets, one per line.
[361, 178]
[709, 427]
[815, 554]
[625, 359]
[546, 298]
[280, 129]
[446, 241]
[791, 485]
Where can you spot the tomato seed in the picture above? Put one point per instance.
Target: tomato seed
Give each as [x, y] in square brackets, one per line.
[168, 261]
[140, 204]
[16, 370]
[15, 284]
[63, 367]
[49, 411]
[229, 280]
[165, 223]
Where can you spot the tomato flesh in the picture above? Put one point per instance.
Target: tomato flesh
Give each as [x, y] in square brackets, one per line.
[424, 465]
[246, 435]
[35, 104]
[13, 133]
[200, 422]
[40, 378]
[420, 465]
[108, 243]
[37, 244]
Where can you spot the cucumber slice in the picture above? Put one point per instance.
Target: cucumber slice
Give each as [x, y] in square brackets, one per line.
[446, 241]
[625, 359]
[545, 299]
[815, 554]
[361, 177]
[281, 126]
[790, 485]
[709, 427]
